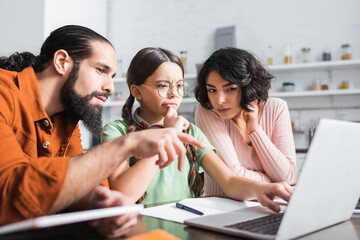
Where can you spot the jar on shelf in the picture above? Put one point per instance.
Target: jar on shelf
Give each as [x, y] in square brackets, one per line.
[317, 84]
[326, 56]
[120, 68]
[344, 85]
[345, 52]
[288, 86]
[324, 86]
[305, 54]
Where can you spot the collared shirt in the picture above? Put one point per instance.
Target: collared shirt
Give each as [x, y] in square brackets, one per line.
[142, 123]
[35, 149]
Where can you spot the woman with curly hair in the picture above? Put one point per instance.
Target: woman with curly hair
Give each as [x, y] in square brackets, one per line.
[251, 131]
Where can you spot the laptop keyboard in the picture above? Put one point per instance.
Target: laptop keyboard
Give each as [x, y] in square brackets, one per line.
[264, 225]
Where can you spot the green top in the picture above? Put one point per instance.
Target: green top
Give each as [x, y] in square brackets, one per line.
[168, 184]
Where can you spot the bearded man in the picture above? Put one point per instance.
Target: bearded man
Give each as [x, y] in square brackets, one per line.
[42, 166]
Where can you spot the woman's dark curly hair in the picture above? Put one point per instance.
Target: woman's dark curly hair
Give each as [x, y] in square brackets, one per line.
[239, 67]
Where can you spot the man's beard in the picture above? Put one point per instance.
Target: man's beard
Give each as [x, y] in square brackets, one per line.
[79, 106]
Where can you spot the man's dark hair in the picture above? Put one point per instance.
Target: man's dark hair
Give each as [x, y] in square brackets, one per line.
[75, 40]
[238, 67]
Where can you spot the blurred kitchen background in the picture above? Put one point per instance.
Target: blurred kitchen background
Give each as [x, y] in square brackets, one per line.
[311, 47]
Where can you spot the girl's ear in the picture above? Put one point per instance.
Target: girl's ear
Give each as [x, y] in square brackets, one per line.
[135, 91]
[62, 62]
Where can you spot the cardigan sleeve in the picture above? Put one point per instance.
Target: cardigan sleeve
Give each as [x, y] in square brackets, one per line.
[277, 155]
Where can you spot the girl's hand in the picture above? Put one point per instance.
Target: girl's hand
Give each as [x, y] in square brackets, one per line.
[266, 192]
[175, 121]
[252, 118]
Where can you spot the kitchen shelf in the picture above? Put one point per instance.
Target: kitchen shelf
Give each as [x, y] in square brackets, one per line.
[326, 65]
[315, 93]
[342, 64]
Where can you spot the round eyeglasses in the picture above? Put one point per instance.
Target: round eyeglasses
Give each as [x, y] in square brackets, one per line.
[165, 89]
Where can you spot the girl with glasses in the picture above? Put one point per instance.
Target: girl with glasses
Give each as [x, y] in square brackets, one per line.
[155, 79]
[256, 140]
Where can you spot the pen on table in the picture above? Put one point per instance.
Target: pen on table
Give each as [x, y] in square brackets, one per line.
[182, 206]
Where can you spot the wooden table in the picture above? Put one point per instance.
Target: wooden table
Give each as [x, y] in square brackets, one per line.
[346, 230]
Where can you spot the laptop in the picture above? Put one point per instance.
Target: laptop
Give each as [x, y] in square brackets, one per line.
[326, 192]
[68, 218]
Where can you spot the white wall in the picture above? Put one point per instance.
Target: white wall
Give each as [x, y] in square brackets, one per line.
[88, 13]
[26, 24]
[190, 25]
[21, 24]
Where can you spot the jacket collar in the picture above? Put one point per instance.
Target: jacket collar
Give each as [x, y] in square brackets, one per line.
[29, 90]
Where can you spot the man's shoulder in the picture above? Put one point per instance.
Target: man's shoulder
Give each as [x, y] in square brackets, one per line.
[8, 78]
[9, 92]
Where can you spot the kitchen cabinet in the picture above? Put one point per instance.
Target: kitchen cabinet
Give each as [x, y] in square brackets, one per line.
[331, 72]
[306, 105]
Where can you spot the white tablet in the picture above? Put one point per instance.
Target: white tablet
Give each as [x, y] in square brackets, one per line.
[67, 218]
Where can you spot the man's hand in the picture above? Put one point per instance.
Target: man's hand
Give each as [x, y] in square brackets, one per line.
[173, 120]
[266, 192]
[167, 143]
[103, 197]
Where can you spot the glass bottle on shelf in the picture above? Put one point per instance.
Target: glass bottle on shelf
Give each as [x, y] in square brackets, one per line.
[120, 68]
[288, 54]
[316, 84]
[269, 58]
[183, 56]
[346, 53]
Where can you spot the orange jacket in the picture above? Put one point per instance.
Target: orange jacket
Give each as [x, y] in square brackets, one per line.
[34, 150]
